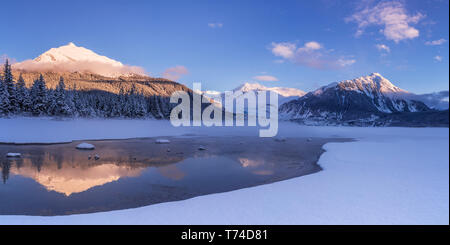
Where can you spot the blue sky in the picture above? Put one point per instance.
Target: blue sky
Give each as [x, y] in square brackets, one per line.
[222, 44]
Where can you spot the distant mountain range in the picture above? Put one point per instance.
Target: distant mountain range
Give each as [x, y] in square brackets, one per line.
[367, 100]
[284, 94]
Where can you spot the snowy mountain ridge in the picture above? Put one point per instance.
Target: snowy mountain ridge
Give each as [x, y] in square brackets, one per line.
[373, 83]
[365, 98]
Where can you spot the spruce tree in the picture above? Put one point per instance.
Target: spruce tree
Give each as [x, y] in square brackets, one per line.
[39, 97]
[10, 87]
[4, 99]
[141, 105]
[60, 107]
[70, 102]
[51, 103]
[23, 95]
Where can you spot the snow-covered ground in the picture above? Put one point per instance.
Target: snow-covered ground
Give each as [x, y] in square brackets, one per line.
[46, 130]
[387, 176]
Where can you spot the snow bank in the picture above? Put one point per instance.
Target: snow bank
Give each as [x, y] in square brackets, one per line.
[45, 130]
[11, 154]
[162, 141]
[389, 176]
[85, 146]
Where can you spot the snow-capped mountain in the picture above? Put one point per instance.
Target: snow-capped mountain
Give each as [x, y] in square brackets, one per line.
[86, 71]
[284, 94]
[71, 58]
[73, 53]
[365, 99]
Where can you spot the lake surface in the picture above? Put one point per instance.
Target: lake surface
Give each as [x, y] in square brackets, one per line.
[58, 179]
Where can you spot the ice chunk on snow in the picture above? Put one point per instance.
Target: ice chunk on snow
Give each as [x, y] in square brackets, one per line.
[162, 141]
[85, 146]
[11, 154]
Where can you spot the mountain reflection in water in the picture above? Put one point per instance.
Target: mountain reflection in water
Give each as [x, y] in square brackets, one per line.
[75, 171]
[59, 179]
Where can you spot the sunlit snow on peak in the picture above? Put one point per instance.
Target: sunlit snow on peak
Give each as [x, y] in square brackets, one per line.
[72, 58]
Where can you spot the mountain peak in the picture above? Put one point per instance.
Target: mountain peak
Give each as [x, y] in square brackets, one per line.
[72, 53]
[71, 57]
[285, 92]
[375, 74]
[373, 83]
[382, 83]
[250, 87]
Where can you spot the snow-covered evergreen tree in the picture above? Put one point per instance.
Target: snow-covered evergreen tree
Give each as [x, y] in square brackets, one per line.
[70, 104]
[140, 105]
[59, 101]
[10, 87]
[4, 98]
[39, 97]
[23, 95]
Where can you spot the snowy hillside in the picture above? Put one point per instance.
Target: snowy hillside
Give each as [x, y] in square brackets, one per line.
[74, 58]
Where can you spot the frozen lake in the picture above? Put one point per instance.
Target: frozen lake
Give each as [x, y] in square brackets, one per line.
[57, 179]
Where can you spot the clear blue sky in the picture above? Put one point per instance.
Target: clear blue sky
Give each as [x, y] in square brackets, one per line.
[223, 43]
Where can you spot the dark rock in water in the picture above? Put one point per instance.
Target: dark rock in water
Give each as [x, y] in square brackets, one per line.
[201, 148]
[280, 139]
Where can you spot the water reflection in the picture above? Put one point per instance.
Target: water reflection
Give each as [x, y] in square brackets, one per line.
[6, 166]
[69, 171]
[171, 172]
[73, 179]
[258, 166]
[58, 179]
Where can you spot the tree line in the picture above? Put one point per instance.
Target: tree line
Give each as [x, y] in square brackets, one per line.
[38, 100]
